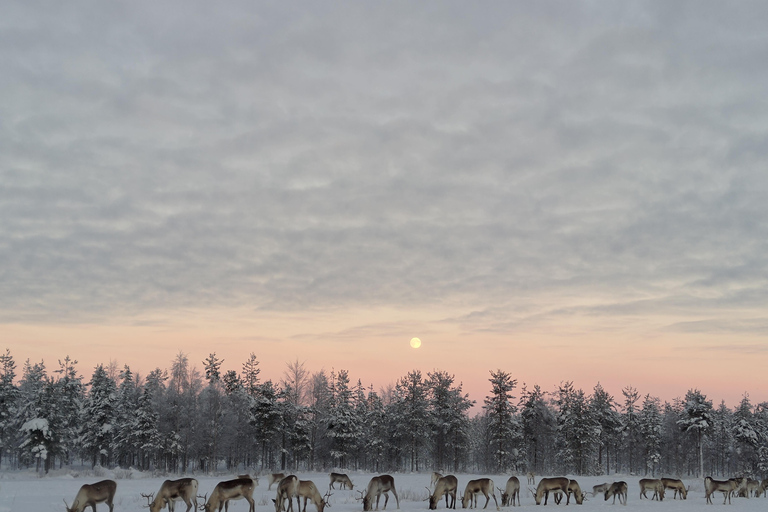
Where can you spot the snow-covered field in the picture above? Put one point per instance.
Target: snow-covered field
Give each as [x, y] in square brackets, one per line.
[28, 493]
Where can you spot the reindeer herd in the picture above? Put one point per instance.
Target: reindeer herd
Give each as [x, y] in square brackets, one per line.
[290, 487]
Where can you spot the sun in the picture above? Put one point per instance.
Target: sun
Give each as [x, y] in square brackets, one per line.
[415, 342]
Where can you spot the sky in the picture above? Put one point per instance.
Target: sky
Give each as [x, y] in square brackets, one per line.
[567, 191]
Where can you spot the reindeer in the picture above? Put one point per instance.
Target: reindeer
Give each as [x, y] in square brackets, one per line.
[287, 489]
[91, 494]
[236, 489]
[308, 491]
[377, 486]
[617, 489]
[274, 478]
[741, 487]
[445, 486]
[550, 484]
[342, 479]
[764, 487]
[531, 478]
[573, 488]
[578, 494]
[596, 489]
[655, 485]
[435, 477]
[677, 486]
[753, 488]
[483, 485]
[725, 486]
[512, 489]
[184, 489]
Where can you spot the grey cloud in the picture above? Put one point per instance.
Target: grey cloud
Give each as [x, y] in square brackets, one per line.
[281, 157]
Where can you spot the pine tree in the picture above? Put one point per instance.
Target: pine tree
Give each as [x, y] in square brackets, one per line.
[539, 425]
[603, 408]
[747, 437]
[9, 396]
[651, 433]
[630, 425]
[505, 429]
[579, 432]
[69, 394]
[697, 421]
[343, 428]
[266, 420]
[99, 418]
[448, 408]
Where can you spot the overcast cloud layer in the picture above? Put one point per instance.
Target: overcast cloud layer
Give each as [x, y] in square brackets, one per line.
[518, 161]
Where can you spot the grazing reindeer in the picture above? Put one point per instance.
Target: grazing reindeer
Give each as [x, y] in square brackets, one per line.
[184, 489]
[655, 485]
[239, 488]
[287, 489]
[531, 478]
[764, 487]
[91, 494]
[377, 486]
[547, 485]
[725, 486]
[573, 488]
[677, 486]
[483, 485]
[435, 477]
[445, 486]
[274, 478]
[512, 489]
[308, 491]
[342, 479]
[753, 488]
[741, 487]
[617, 489]
[596, 489]
[578, 494]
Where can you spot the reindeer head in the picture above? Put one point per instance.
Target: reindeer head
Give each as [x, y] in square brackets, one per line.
[73, 508]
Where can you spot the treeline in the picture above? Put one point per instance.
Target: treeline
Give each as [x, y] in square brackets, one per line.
[183, 420]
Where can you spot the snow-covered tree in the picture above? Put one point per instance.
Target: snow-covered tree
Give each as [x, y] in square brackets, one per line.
[343, 425]
[630, 426]
[697, 421]
[449, 423]
[99, 415]
[505, 427]
[578, 431]
[650, 423]
[602, 408]
[539, 427]
[266, 421]
[9, 396]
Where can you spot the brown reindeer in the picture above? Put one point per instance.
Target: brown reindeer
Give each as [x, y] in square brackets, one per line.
[725, 486]
[91, 494]
[342, 479]
[445, 486]
[274, 478]
[308, 490]
[597, 489]
[236, 489]
[183, 489]
[287, 489]
[481, 485]
[547, 485]
[677, 486]
[511, 491]
[377, 486]
[619, 489]
[651, 484]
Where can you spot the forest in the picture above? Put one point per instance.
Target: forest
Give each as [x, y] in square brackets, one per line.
[182, 419]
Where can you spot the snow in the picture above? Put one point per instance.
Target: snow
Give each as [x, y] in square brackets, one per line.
[25, 491]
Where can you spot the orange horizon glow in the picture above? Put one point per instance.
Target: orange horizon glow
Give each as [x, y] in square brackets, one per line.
[379, 353]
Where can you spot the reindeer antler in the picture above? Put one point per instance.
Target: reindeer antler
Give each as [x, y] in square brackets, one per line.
[149, 497]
